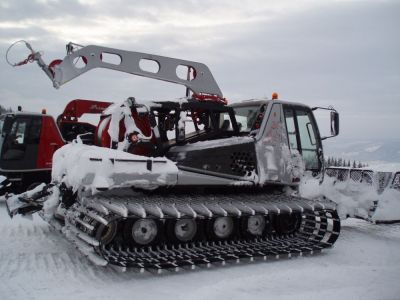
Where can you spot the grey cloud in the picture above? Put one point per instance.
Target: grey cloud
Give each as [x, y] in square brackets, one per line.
[30, 9]
[341, 54]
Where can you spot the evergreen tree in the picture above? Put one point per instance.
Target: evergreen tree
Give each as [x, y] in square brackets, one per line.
[340, 162]
[359, 165]
[354, 164]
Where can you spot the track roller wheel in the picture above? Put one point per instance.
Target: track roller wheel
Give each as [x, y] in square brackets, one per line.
[142, 232]
[107, 233]
[182, 230]
[255, 225]
[221, 227]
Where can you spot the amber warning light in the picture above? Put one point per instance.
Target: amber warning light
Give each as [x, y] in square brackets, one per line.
[274, 96]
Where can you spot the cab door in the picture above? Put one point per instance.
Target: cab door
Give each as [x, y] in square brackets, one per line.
[20, 140]
[303, 136]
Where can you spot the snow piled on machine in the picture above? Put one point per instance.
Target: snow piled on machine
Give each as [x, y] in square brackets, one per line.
[122, 112]
[95, 168]
[374, 196]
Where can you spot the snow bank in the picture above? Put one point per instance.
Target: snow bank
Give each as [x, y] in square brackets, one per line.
[373, 198]
[354, 199]
[388, 208]
[78, 165]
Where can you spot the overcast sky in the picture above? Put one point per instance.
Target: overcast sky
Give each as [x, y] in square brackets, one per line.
[340, 53]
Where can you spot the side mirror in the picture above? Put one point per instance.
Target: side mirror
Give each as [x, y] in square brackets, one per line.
[334, 123]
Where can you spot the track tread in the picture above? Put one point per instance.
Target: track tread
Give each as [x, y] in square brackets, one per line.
[318, 230]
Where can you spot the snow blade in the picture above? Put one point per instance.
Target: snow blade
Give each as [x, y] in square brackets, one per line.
[29, 202]
[24, 206]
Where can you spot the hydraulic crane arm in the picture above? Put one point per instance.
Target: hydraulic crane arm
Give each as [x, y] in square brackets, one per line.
[78, 107]
[62, 71]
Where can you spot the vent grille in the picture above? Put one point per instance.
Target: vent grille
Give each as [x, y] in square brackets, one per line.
[243, 163]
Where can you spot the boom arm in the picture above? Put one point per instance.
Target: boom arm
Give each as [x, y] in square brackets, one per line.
[76, 108]
[92, 56]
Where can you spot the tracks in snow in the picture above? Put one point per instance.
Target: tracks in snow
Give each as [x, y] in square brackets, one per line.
[32, 247]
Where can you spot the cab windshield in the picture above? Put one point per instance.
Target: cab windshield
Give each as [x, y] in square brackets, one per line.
[249, 118]
[18, 134]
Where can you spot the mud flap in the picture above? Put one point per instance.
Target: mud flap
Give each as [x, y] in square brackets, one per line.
[29, 202]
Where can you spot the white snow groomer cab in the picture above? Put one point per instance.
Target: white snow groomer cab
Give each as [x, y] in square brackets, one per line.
[182, 183]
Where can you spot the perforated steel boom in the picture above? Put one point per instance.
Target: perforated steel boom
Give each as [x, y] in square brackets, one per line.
[60, 72]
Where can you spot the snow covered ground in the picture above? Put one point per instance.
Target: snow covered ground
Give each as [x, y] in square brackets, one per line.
[38, 263]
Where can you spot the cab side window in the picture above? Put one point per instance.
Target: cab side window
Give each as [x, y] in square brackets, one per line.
[18, 131]
[301, 130]
[291, 129]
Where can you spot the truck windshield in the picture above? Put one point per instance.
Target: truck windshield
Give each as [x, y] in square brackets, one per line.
[21, 132]
[249, 117]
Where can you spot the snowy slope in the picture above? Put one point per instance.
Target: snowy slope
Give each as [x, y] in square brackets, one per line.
[37, 263]
[387, 150]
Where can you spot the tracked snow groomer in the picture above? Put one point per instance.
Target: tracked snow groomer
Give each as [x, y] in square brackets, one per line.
[188, 182]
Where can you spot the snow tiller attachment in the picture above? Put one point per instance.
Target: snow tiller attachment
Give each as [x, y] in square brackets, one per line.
[183, 183]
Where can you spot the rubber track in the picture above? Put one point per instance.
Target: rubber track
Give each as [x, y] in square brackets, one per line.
[319, 229]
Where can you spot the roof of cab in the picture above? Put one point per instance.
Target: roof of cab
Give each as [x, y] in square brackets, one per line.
[244, 103]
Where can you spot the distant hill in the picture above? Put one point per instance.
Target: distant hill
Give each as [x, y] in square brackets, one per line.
[363, 150]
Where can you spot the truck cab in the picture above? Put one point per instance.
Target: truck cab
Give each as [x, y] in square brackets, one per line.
[28, 141]
[27, 144]
[256, 142]
[288, 124]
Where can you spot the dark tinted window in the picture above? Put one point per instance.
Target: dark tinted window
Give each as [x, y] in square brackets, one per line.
[24, 131]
